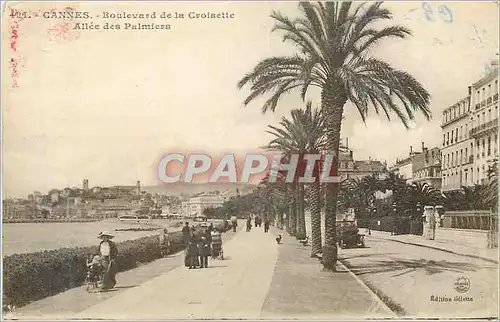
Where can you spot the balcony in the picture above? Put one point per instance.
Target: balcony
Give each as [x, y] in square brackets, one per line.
[484, 127]
[489, 100]
[471, 159]
[483, 103]
[495, 97]
[478, 106]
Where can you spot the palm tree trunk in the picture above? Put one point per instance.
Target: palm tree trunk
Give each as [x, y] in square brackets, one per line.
[293, 211]
[333, 99]
[287, 209]
[316, 246]
[301, 219]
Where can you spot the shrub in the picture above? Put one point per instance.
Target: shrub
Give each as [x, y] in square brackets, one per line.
[33, 276]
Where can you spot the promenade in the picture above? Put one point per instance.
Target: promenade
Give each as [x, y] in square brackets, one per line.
[470, 248]
[258, 279]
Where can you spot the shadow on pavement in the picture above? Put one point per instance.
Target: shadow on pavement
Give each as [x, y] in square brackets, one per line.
[342, 257]
[127, 286]
[405, 266]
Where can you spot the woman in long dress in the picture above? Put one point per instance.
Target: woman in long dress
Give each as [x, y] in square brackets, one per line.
[108, 252]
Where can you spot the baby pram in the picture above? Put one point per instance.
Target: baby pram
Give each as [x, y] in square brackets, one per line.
[95, 272]
[217, 251]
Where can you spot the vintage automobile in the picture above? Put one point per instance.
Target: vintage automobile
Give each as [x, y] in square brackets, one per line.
[348, 234]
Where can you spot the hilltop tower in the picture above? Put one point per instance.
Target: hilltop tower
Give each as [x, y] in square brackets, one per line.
[85, 185]
[138, 187]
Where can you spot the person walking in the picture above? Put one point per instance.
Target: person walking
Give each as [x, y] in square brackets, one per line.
[164, 242]
[266, 224]
[108, 252]
[204, 250]
[234, 223]
[186, 232]
[192, 253]
[249, 223]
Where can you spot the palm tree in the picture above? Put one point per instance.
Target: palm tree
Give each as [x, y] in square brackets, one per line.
[304, 133]
[334, 40]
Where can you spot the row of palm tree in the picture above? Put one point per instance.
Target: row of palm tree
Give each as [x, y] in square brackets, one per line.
[334, 42]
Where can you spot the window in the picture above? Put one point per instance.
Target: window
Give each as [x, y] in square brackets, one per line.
[461, 157]
[456, 135]
[456, 158]
[484, 117]
[466, 155]
[461, 131]
[448, 160]
[496, 87]
[489, 90]
[484, 147]
[466, 134]
[444, 139]
[489, 145]
[466, 177]
[448, 140]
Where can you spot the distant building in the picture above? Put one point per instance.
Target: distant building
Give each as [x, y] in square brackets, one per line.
[54, 195]
[85, 185]
[195, 206]
[138, 187]
[404, 167]
[426, 167]
[350, 168]
[66, 192]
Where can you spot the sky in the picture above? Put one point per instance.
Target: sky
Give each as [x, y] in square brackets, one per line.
[106, 105]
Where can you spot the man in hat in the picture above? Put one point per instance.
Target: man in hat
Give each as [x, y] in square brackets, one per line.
[108, 252]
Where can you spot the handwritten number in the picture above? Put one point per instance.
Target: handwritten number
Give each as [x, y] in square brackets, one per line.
[445, 13]
[429, 15]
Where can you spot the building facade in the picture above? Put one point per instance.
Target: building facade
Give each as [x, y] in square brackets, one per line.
[484, 119]
[352, 169]
[426, 167]
[457, 146]
[404, 167]
[195, 206]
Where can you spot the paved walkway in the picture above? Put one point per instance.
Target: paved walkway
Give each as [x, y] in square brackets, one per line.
[233, 288]
[489, 254]
[258, 279]
[301, 290]
[66, 304]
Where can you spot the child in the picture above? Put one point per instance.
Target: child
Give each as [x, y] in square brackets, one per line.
[94, 266]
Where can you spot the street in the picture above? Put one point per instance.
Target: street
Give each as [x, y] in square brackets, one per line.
[409, 275]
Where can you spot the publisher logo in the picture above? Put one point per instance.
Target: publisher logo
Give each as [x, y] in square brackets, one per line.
[462, 284]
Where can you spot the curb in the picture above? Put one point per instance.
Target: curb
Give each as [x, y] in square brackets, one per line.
[439, 248]
[375, 297]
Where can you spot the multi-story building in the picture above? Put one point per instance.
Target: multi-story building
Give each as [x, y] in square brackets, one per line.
[350, 168]
[404, 167]
[484, 119]
[457, 150]
[194, 206]
[426, 167]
